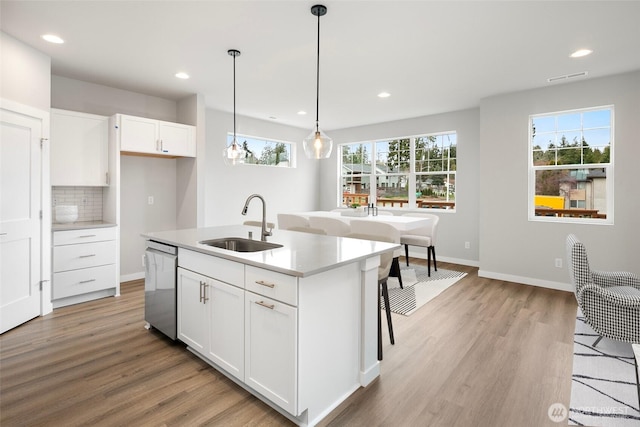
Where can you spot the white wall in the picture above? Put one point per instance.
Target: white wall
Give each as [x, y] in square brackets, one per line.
[454, 229]
[513, 248]
[227, 187]
[25, 74]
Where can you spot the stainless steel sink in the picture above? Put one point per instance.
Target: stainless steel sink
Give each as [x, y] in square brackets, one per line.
[239, 244]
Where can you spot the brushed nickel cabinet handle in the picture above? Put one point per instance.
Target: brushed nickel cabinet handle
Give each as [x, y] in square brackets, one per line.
[87, 281]
[267, 284]
[264, 304]
[86, 235]
[204, 293]
[201, 287]
[87, 256]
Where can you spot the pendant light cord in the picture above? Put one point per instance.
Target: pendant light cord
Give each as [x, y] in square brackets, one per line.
[318, 76]
[234, 97]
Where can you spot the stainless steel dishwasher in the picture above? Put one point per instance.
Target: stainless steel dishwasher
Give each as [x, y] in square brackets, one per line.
[160, 302]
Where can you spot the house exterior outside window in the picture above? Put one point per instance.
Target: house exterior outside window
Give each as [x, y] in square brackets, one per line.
[408, 172]
[571, 166]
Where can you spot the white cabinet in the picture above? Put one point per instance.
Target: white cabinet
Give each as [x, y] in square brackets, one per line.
[211, 320]
[139, 135]
[79, 149]
[84, 265]
[271, 356]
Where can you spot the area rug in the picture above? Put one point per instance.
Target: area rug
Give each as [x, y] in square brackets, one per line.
[419, 288]
[603, 386]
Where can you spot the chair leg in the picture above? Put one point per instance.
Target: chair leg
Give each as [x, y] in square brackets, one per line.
[637, 380]
[429, 261]
[395, 271]
[433, 251]
[597, 341]
[387, 308]
[379, 329]
[406, 254]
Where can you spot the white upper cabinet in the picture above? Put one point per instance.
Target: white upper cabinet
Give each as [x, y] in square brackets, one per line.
[155, 137]
[79, 149]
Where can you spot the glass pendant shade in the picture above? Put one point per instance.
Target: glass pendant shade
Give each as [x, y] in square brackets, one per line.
[233, 154]
[317, 145]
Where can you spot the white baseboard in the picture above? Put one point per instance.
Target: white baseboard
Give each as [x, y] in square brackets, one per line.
[130, 277]
[526, 280]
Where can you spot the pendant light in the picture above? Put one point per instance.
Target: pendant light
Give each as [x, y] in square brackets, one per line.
[318, 145]
[234, 153]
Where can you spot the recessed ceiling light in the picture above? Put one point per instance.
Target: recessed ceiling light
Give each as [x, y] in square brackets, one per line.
[581, 52]
[302, 113]
[182, 75]
[51, 38]
[384, 95]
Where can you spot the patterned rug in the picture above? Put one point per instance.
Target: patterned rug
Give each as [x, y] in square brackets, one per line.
[603, 386]
[419, 288]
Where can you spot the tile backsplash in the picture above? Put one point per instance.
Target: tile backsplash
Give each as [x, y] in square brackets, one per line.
[88, 200]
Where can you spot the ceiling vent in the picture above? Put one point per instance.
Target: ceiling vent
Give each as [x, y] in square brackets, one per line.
[567, 77]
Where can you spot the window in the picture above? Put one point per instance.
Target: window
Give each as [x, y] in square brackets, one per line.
[571, 169]
[408, 172]
[260, 151]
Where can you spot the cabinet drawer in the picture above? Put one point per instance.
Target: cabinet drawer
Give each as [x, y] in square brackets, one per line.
[73, 257]
[272, 284]
[76, 282]
[88, 235]
[217, 268]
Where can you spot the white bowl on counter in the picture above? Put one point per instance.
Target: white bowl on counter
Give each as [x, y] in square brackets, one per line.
[66, 213]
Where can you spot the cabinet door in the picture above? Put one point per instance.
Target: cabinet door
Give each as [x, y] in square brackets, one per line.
[139, 135]
[226, 321]
[271, 356]
[177, 139]
[192, 312]
[79, 148]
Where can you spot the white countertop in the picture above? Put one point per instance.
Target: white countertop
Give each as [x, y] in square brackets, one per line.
[302, 254]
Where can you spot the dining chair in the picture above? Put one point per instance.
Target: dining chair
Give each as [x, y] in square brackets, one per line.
[307, 230]
[424, 236]
[385, 213]
[286, 221]
[377, 228]
[386, 259]
[331, 226]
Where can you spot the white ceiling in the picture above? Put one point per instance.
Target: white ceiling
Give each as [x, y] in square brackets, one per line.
[432, 56]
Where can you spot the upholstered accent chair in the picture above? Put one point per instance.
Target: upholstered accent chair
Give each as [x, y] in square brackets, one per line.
[424, 236]
[286, 221]
[331, 226]
[610, 301]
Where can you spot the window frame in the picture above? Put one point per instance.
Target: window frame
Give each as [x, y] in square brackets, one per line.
[411, 173]
[608, 167]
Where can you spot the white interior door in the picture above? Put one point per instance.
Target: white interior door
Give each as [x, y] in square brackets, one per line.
[20, 206]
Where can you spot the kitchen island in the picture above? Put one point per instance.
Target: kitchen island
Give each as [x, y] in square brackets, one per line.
[295, 325]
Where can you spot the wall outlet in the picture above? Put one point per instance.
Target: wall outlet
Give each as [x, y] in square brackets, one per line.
[558, 262]
[467, 245]
[150, 200]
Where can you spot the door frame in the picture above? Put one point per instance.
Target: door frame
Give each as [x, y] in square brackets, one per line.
[46, 305]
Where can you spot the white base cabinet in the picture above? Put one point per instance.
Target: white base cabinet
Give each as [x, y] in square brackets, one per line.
[211, 320]
[296, 343]
[84, 265]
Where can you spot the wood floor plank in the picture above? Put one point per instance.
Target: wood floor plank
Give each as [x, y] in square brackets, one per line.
[483, 353]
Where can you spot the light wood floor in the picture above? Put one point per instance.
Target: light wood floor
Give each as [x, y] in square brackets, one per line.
[483, 353]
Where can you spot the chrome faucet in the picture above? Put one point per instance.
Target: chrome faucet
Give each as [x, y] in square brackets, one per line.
[265, 233]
